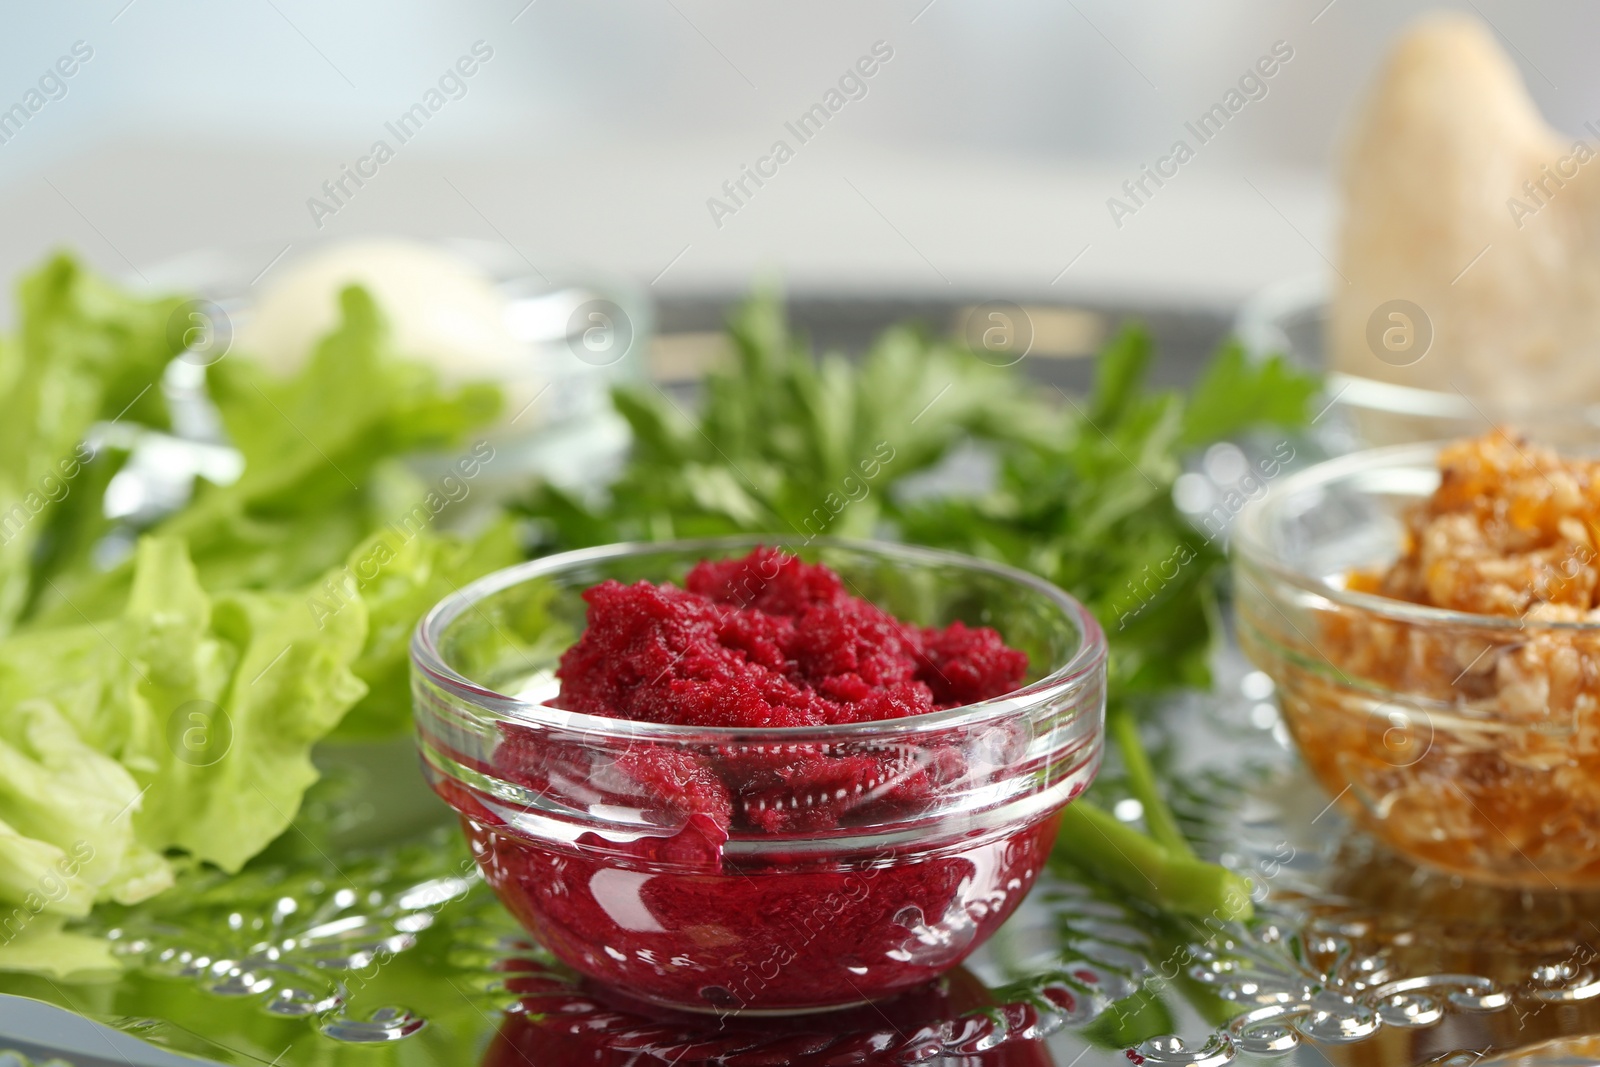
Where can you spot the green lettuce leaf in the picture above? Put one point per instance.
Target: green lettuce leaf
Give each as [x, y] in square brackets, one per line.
[316, 446]
[185, 725]
[162, 714]
[68, 811]
[181, 731]
[44, 947]
[399, 577]
[85, 351]
[237, 691]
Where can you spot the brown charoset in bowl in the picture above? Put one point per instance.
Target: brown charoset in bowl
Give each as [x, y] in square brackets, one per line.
[1431, 616]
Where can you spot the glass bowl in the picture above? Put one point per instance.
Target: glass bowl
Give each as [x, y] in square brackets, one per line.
[1469, 743]
[557, 420]
[1387, 405]
[592, 832]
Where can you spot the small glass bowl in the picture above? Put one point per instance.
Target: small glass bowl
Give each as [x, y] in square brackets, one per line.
[1386, 405]
[589, 830]
[1469, 743]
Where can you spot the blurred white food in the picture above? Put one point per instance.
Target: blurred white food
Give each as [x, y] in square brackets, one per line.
[441, 309]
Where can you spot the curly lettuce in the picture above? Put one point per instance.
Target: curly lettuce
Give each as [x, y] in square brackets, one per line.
[84, 351]
[320, 450]
[179, 732]
[162, 713]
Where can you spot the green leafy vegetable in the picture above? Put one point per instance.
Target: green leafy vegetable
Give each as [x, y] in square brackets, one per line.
[1123, 729]
[318, 475]
[1089, 506]
[1106, 848]
[783, 442]
[163, 713]
[185, 724]
[85, 351]
[184, 727]
[408, 576]
[1237, 393]
[223, 794]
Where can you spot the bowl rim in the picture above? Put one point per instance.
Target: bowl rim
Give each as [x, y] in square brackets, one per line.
[1266, 316]
[1087, 660]
[1250, 545]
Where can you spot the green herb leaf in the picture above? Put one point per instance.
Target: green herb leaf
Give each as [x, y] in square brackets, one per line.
[1236, 394]
[788, 444]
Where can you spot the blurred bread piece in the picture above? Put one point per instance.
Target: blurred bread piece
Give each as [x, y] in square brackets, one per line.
[1442, 146]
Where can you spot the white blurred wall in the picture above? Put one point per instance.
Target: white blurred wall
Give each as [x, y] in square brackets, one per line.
[980, 157]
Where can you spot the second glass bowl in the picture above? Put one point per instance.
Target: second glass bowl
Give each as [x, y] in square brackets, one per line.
[607, 861]
[1469, 743]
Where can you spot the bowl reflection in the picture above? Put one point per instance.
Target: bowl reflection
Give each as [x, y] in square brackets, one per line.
[559, 1022]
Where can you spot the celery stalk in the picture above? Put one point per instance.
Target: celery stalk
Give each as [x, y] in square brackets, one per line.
[1143, 867]
[1124, 730]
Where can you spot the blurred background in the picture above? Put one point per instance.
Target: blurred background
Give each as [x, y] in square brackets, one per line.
[977, 163]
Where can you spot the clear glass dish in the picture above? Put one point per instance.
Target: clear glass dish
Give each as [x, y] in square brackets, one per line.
[1382, 408]
[1467, 742]
[612, 864]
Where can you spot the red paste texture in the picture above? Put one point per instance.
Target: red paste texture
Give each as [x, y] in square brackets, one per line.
[769, 640]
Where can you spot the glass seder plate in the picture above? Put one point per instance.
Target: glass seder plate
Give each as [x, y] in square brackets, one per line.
[399, 955]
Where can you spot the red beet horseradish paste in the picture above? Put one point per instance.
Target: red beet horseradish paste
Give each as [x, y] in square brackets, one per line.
[787, 874]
